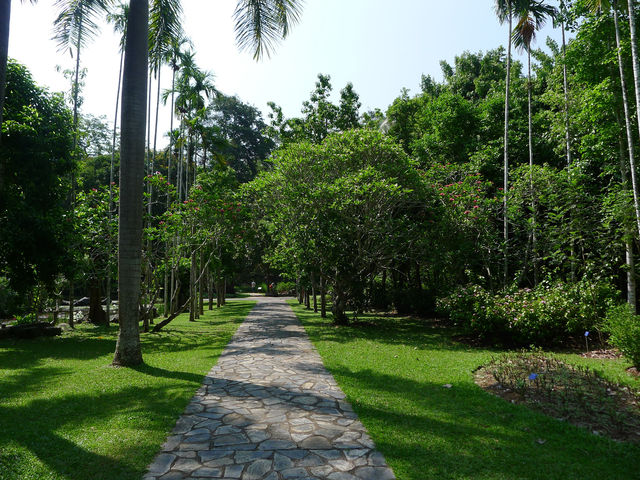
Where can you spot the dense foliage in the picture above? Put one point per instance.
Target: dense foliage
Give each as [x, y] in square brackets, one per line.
[35, 226]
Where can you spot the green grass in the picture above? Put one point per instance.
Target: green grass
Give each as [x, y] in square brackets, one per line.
[65, 413]
[393, 371]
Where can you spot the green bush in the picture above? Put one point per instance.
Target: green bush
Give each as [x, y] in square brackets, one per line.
[546, 315]
[624, 330]
[286, 288]
[9, 299]
[25, 319]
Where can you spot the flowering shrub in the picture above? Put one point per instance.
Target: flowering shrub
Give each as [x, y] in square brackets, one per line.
[546, 315]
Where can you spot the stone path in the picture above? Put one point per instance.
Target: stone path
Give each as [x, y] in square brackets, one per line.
[269, 410]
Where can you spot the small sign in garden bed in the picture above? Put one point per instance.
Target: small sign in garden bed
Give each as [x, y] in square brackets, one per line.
[574, 394]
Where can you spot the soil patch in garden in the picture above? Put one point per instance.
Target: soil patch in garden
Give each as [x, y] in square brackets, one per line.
[568, 393]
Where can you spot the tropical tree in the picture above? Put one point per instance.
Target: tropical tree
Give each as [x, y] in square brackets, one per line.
[532, 16]
[5, 21]
[259, 24]
[505, 10]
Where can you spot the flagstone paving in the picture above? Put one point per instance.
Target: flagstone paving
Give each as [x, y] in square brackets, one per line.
[269, 410]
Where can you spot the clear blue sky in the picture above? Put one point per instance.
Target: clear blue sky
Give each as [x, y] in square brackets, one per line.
[379, 46]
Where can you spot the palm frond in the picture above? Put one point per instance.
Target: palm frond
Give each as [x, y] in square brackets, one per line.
[118, 18]
[76, 23]
[532, 16]
[165, 28]
[260, 24]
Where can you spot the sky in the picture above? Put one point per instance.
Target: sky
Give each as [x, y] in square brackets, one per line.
[379, 46]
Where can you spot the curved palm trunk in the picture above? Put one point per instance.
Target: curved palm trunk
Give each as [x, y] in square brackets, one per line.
[5, 17]
[134, 94]
[506, 155]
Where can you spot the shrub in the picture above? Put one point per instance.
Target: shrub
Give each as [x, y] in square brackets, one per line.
[25, 319]
[286, 288]
[624, 330]
[546, 315]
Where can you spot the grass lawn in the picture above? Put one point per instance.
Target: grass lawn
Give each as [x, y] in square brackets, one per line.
[393, 371]
[66, 414]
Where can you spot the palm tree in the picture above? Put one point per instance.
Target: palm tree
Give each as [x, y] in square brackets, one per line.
[119, 20]
[532, 16]
[74, 27]
[505, 10]
[259, 23]
[599, 5]
[132, 135]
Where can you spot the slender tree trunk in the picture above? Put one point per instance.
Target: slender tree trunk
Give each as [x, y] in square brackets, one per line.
[76, 87]
[111, 182]
[505, 184]
[134, 94]
[628, 241]
[627, 116]
[323, 298]
[71, 305]
[192, 286]
[567, 126]
[534, 240]
[5, 20]
[313, 290]
[636, 85]
[201, 289]
[210, 290]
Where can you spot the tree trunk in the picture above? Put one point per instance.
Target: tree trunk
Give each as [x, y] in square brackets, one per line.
[338, 309]
[534, 239]
[505, 185]
[201, 289]
[627, 115]
[71, 305]
[97, 315]
[111, 181]
[307, 302]
[313, 290]
[567, 131]
[5, 17]
[134, 94]
[210, 290]
[629, 259]
[192, 287]
[224, 291]
[323, 298]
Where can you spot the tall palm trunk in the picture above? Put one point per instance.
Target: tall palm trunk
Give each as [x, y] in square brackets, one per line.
[565, 84]
[533, 203]
[167, 281]
[628, 241]
[76, 87]
[627, 118]
[111, 180]
[636, 85]
[134, 94]
[5, 20]
[505, 185]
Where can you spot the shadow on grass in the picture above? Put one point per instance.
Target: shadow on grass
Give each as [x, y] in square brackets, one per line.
[428, 431]
[39, 427]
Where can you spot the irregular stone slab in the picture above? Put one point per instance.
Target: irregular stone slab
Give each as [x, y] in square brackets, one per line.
[269, 410]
